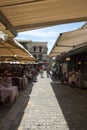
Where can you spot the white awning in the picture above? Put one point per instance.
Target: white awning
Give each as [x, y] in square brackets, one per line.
[21, 15]
[69, 41]
[11, 49]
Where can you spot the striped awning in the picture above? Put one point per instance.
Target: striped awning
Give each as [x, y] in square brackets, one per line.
[21, 15]
[11, 49]
[69, 41]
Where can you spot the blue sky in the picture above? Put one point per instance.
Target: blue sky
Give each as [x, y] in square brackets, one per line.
[49, 34]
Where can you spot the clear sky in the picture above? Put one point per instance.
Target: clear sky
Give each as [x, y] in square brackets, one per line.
[49, 34]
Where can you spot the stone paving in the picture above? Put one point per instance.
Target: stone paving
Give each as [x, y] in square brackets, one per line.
[48, 105]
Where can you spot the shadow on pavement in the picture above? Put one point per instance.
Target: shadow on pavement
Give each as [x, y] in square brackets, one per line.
[72, 105]
[15, 115]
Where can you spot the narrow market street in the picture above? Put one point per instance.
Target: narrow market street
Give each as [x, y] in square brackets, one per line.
[48, 105]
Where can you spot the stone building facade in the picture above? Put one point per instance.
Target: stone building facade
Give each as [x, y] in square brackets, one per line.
[37, 49]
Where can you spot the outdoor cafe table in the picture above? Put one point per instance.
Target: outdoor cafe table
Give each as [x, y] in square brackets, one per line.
[11, 91]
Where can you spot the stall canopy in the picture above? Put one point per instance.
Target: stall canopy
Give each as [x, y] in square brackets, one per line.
[11, 59]
[21, 15]
[11, 49]
[69, 41]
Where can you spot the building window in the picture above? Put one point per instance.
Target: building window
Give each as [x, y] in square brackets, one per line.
[34, 48]
[40, 48]
[40, 56]
[35, 56]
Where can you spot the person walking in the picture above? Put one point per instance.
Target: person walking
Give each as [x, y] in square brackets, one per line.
[41, 71]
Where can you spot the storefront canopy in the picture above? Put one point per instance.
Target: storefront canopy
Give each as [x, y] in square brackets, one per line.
[69, 41]
[17, 59]
[11, 49]
[20, 15]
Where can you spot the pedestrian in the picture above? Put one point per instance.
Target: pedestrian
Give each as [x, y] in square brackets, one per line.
[41, 71]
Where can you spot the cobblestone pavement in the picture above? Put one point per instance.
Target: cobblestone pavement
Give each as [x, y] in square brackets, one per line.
[48, 105]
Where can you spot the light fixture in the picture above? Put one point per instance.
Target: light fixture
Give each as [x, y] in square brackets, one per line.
[68, 59]
[79, 62]
[15, 55]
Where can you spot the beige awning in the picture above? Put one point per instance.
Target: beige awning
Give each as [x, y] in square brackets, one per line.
[69, 41]
[17, 59]
[26, 59]
[13, 49]
[20, 15]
